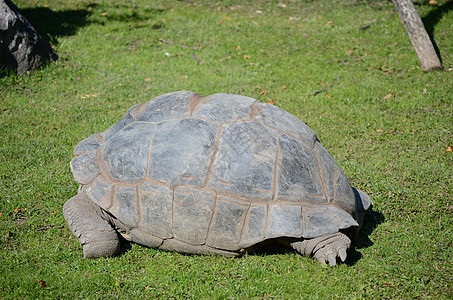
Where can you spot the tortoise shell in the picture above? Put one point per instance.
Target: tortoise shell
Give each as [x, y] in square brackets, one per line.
[224, 171]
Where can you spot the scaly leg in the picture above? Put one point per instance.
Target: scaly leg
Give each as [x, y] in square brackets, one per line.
[91, 227]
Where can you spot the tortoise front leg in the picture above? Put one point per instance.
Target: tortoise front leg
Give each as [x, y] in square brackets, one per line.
[90, 226]
[324, 248]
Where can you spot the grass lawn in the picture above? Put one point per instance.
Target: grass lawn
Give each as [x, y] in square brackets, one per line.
[386, 123]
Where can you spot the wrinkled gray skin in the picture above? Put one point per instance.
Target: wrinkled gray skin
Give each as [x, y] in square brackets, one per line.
[223, 174]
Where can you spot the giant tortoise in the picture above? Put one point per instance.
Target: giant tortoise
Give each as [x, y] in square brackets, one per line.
[223, 174]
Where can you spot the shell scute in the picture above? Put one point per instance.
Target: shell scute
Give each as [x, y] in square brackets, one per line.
[89, 144]
[85, 167]
[299, 173]
[100, 191]
[181, 151]
[165, 107]
[124, 205]
[342, 218]
[318, 222]
[125, 155]
[218, 107]
[245, 161]
[192, 211]
[156, 203]
[255, 225]
[284, 219]
[344, 195]
[127, 119]
[227, 223]
[283, 121]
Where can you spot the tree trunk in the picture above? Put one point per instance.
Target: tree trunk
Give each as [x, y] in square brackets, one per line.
[22, 49]
[417, 34]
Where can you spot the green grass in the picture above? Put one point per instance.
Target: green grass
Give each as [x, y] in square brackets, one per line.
[393, 148]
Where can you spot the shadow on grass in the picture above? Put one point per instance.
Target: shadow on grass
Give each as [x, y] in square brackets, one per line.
[372, 220]
[53, 24]
[127, 13]
[432, 18]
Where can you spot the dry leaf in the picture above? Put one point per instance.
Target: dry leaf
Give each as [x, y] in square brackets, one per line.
[388, 96]
[42, 283]
[247, 56]
[271, 101]
[148, 79]
[379, 130]
[432, 2]
[263, 92]
[88, 96]
[281, 5]
[449, 149]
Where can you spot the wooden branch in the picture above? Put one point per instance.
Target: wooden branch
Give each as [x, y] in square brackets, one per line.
[323, 90]
[417, 34]
[196, 58]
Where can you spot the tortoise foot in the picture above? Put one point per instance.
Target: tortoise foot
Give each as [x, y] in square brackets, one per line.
[89, 225]
[325, 249]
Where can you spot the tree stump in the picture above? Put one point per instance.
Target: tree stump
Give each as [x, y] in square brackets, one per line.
[417, 34]
[22, 49]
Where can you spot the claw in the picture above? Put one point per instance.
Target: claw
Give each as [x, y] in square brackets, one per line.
[320, 258]
[342, 254]
[332, 259]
